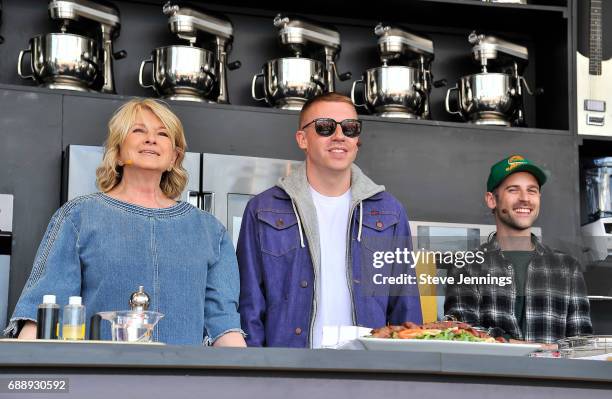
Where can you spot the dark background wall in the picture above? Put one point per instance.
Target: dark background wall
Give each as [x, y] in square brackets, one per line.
[436, 168]
[437, 171]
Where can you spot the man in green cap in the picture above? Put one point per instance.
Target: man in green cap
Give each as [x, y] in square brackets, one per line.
[547, 298]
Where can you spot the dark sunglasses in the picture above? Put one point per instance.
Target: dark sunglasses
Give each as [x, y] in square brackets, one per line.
[327, 126]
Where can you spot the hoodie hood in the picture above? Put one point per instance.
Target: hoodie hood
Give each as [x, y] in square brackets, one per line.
[296, 185]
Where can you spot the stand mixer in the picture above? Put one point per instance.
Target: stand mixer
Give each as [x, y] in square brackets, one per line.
[193, 72]
[80, 57]
[401, 86]
[310, 70]
[495, 95]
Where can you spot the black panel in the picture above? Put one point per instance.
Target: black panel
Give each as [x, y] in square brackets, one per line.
[5, 243]
[30, 159]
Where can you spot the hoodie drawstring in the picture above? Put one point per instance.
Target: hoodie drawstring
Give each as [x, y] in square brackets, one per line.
[360, 221]
[299, 224]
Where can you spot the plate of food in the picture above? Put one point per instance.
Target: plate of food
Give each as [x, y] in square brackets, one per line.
[445, 337]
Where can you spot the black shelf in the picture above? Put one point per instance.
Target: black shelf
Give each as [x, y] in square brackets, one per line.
[466, 14]
[590, 138]
[554, 6]
[382, 6]
[401, 122]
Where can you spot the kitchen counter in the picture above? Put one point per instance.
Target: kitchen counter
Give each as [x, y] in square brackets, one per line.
[100, 370]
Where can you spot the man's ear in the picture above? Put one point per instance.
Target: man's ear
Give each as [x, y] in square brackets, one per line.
[300, 137]
[490, 200]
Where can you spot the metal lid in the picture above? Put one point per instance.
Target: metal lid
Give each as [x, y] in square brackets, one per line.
[294, 30]
[99, 11]
[139, 300]
[187, 20]
[488, 47]
[394, 42]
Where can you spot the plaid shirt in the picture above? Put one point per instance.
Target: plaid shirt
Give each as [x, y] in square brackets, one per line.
[556, 303]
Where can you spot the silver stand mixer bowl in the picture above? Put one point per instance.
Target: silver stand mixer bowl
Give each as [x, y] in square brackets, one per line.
[62, 61]
[392, 91]
[485, 99]
[289, 82]
[185, 73]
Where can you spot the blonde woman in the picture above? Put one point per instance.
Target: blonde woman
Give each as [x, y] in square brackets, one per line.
[104, 245]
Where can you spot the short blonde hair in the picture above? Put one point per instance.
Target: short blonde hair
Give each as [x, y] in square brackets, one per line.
[331, 97]
[109, 173]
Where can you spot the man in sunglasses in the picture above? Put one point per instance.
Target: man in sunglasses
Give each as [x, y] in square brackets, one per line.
[301, 242]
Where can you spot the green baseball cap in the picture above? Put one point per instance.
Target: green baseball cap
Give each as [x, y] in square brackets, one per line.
[510, 165]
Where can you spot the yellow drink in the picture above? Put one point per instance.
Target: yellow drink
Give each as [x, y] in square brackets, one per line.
[73, 332]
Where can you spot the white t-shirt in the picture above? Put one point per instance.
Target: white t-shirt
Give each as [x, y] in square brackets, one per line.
[334, 305]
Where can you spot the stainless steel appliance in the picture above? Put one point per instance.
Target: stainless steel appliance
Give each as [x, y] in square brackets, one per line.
[289, 82]
[81, 162]
[495, 95]
[6, 239]
[597, 175]
[596, 347]
[401, 86]
[191, 71]
[219, 184]
[80, 57]
[230, 181]
[597, 233]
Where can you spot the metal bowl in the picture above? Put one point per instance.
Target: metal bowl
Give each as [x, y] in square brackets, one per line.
[181, 72]
[486, 98]
[62, 61]
[392, 91]
[289, 82]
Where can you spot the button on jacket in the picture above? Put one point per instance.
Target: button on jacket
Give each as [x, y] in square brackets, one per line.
[279, 260]
[556, 303]
[103, 249]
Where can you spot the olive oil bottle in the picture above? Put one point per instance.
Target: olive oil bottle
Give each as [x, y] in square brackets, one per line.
[73, 319]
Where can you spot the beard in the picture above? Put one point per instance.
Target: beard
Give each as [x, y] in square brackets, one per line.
[514, 223]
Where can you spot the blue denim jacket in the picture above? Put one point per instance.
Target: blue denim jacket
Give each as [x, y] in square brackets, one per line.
[276, 249]
[103, 249]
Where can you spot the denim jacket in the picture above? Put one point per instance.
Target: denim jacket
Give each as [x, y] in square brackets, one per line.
[102, 249]
[279, 260]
